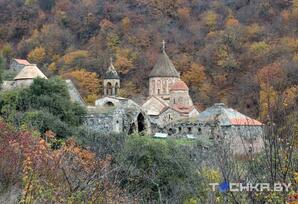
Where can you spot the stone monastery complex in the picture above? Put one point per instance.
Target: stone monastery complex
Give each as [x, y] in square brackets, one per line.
[167, 112]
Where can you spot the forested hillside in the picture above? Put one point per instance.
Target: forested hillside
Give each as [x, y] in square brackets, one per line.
[240, 52]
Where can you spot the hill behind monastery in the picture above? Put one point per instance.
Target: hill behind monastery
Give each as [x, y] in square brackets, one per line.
[239, 52]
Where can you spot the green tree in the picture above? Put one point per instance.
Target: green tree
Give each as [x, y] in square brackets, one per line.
[1, 69]
[161, 169]
[45, 105]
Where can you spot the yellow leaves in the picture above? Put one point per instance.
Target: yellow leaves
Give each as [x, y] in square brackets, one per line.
[88, 82]
[267, 77]
[125, 24]
[290, 42]
[52, 67]
[106, 24]
[225, 58]
[6, 50]
[222, 55]
[30, 2]
[289, 96]
[113, 40]
[210, 19]
[212, 175]
[70, 57]
[125, 58]
[254, 29]
[268, 97]
[294, 10]
[37, 55]
[195, 75]
[259, 48]
[90, 99]
[128, 89]
[183, 62]
[296, 177]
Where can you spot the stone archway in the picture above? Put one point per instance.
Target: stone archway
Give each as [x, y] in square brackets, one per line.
[109, 104]
[109, 89]
[141, 122]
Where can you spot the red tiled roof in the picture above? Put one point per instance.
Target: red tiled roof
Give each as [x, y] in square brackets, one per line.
[244, 121]
[179, 86]
[22, 61]
[182, 108]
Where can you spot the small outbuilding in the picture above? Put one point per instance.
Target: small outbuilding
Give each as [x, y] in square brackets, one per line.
[17, 65]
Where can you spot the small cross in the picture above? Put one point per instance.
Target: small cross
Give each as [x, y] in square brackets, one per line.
[163, 45]
[111, 60]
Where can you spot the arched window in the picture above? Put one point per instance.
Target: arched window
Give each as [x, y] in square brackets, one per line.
[116, 88]
[153, 87]
[164, 86]
[158, 84]
[109, 89]
[170, 83]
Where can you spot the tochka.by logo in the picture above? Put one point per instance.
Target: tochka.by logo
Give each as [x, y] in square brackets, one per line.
[239, 187]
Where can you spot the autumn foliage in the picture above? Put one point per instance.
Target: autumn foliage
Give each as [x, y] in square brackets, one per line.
[67, 175]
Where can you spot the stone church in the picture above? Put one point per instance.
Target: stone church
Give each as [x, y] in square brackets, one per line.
[169, 112]
[169, 98]
[114, 114]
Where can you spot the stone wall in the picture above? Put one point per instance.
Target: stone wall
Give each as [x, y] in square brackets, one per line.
[14, 66]
[119, 120]
[160, 86]
[242, 139]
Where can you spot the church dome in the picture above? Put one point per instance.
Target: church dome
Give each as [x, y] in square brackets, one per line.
[164, 66]
[179, 86]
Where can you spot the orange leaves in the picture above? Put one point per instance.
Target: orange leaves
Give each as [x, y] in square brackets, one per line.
[271, 74]
[268, 77]
[232, 21]
[70, 57]
[290, 95]
[53, 175]
[125, 58]
[195, 75]
[87, 82]
[106, 24]
[184, 13]
[126, 24]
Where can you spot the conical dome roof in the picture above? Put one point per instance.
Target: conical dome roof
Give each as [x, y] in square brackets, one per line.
[164, 67]
[111, 73]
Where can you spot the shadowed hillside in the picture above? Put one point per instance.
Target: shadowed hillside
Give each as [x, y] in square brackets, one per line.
[218, 46]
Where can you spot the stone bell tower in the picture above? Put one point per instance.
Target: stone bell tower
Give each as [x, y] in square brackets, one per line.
[162, 76]
[111, 81]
